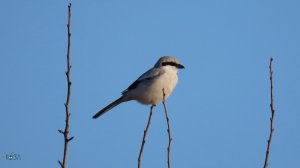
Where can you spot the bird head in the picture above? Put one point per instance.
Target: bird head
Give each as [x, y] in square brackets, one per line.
[168, 61]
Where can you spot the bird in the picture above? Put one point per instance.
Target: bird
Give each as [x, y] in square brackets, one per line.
[148, 88]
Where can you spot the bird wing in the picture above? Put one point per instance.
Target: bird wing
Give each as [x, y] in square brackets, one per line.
[148, 75]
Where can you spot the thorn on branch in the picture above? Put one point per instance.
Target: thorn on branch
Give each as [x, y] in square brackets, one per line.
[60, 163]
[70, 139]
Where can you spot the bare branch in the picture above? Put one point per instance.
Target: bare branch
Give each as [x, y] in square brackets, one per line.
[272, 116]
[144, 137]
[169, 131]
[67, 104]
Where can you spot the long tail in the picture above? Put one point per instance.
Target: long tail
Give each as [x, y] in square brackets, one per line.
[110, 106]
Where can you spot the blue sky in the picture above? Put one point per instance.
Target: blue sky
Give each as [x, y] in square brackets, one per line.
[219, 111]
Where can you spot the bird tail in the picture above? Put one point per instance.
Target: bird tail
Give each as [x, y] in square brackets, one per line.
[110, 106]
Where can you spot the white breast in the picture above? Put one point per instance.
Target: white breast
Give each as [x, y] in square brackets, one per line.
[150, 92]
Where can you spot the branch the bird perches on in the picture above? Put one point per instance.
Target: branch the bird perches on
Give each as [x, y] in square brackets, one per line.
[147, 129]
[144, 137]
[169, 129]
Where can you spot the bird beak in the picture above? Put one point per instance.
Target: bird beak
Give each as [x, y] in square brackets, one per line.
[179, 66]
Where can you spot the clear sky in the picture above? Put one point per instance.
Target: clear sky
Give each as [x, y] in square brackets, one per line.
[219, 111]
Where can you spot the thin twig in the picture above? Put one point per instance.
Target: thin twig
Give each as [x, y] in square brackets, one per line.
[67, 104]
[272, 116]
[169, 131]
[144, 137]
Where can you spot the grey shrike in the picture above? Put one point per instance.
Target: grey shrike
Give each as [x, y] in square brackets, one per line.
[147, 89]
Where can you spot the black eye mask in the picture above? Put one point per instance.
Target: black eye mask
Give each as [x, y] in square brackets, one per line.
[173, 64]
